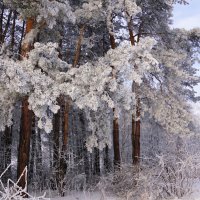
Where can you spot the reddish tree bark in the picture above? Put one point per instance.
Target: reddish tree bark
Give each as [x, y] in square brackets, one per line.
[65, 134]
[20, 42]
[24, 143]
[136, 117]
[26, 47]
[136, 135]
[65, 120]
[78, 46]
[117, 158]
[26, 121]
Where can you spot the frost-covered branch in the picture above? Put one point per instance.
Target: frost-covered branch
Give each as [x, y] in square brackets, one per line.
[12, 191]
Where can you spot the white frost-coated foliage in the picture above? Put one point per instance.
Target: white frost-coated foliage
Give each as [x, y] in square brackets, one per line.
[101, 84]
[105, 83]
[45, 10]
[97, 86]
[30, 37]
[44, 83]
[40, 77]
[94, 84]
[133, 62]
[35, 77]
[13, 80]
[93, 11]
[195, 31]
[101, 128]
[172, 114]
[169, 106]
[52, 10]
[128, 7]
[90, 12]
[7, 101]
[89, 85]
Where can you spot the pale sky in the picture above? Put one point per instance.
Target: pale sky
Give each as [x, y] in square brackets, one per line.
[188, 16]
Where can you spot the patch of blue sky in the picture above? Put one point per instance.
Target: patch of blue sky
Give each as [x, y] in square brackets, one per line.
[187, 16]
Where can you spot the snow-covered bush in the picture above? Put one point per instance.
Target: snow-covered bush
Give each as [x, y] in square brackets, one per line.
[170, 178]
[54, 180]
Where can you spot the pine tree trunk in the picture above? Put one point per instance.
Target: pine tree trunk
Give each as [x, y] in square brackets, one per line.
[33, 150]
[65, 134]
[1, 22]
[20, 42]
[107, 164]
[39, 157]
[86, 162]
[136, 135]
[112, 42]
[26, 119]
[26, 47]
[13, 31]
[96, 162]
[85, 153]
[24, 143]
[136, 117]
[65, 121]
[78, 46]
[6, 27]
[132, 39]
[117, 159]
[133, 137]
[56, 135]
[2, 154]
[8, 145]
[66, 124]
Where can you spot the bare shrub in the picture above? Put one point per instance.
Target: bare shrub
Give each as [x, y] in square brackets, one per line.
[170, 178]
[12, 191]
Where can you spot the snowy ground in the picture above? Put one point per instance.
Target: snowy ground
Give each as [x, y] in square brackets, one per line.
[86, 196]
[195, 195]
[74, 195]
[99, 196]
